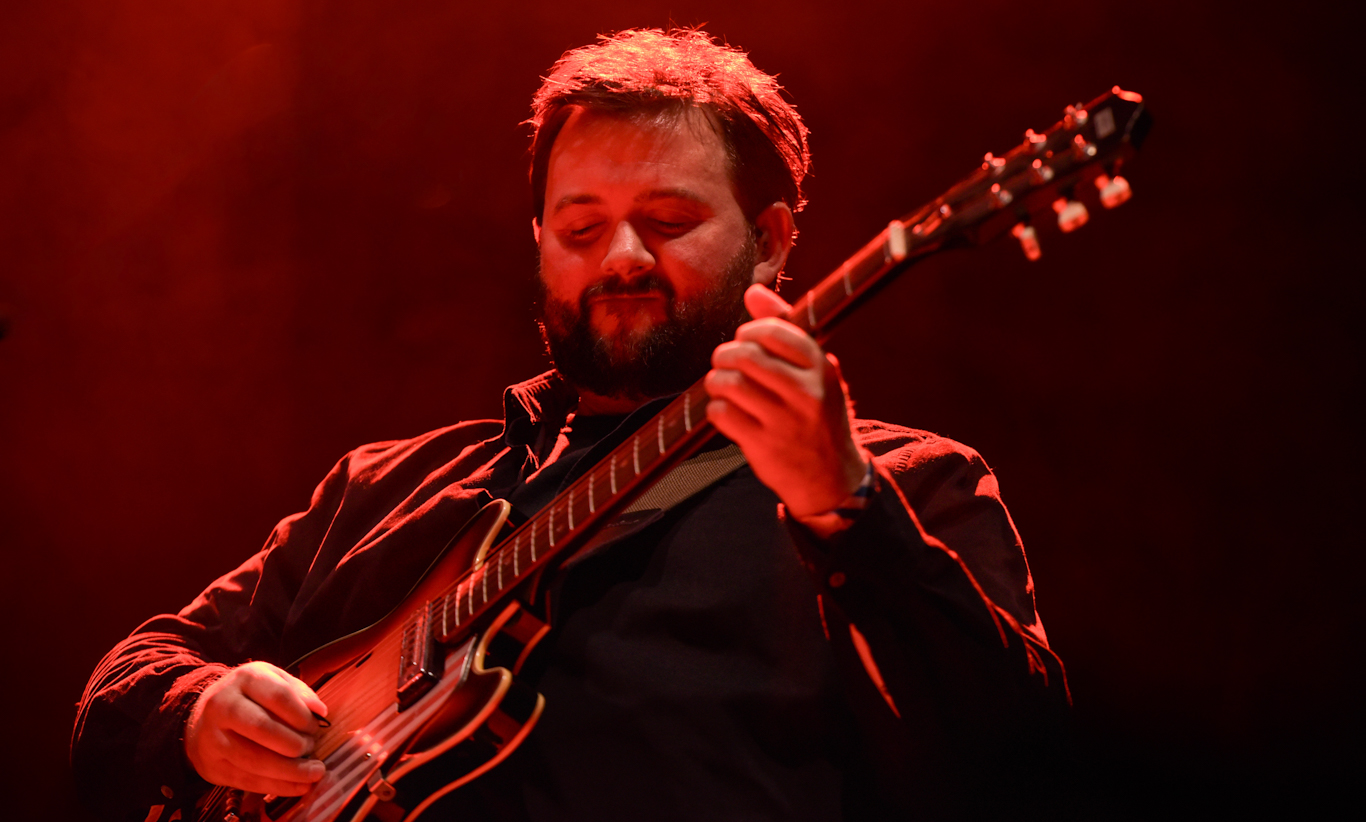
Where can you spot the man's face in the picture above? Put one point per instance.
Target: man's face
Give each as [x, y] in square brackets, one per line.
[645, 253]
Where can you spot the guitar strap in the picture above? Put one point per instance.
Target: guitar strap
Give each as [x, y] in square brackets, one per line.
[685, 481]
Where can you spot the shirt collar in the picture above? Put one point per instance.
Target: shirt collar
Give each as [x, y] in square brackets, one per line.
[529, 405]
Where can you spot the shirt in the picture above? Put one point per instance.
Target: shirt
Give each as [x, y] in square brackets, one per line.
[722, 662]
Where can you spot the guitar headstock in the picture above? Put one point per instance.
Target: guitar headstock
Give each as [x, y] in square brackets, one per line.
[1047, 176]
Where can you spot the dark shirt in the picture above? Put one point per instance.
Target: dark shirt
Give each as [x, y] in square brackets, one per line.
[720, 663]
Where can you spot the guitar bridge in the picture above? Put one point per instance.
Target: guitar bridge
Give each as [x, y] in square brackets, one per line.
[420, 662]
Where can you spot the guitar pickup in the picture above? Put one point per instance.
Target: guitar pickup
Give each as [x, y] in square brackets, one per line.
[420, 660]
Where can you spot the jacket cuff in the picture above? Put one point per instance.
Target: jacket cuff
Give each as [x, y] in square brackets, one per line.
[160, 756]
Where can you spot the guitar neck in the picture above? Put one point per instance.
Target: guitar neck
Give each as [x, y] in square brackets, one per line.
[1006, 191]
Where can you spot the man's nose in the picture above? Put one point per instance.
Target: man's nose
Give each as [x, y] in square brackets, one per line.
[627, 255]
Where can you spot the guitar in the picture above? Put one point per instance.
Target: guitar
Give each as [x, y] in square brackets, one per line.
[436, 678]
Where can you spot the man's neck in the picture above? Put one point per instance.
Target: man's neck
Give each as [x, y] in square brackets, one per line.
[591, 405]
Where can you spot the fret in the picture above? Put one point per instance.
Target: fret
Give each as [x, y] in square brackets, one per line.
[612, 460]
[500, 570]
[533, 540]
[571, 508]
[457, 606]
[661, 434]
[550, 525]
[516, 544]
[484, 583]
[469, 598]
[635, 452]
[848, 289]
[811, 311]
[445, 627]
[590, 494]
[687, 410]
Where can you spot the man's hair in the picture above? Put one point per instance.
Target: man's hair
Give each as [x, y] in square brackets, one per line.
[643, 72]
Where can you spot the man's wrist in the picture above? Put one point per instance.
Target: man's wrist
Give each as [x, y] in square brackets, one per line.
[829, 523]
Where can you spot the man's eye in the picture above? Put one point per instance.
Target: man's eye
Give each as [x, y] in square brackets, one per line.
[582, 232]
[672, 226]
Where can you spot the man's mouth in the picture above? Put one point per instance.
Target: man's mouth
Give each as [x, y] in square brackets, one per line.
[628, 300]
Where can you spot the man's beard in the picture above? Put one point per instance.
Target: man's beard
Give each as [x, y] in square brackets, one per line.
[664, 360]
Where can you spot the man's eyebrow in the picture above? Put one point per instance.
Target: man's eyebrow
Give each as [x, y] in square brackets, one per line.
[677, 193]
[576, 199]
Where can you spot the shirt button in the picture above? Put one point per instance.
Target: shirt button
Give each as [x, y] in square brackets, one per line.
[167, 792]
[837, 579]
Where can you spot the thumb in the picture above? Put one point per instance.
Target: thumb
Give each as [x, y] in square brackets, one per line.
[761, 302]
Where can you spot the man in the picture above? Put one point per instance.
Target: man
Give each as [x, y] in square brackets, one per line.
[842, 628]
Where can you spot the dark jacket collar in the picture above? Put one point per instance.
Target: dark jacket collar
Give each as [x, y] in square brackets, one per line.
[528, 406]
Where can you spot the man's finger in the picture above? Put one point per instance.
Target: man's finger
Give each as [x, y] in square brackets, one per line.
[781, 339]
[257, 759]
[280, 696]
[237, 777]
[733, 421]
[783, 379]
[761, 301]
[255, 723]
[756, 400]
[310, 697]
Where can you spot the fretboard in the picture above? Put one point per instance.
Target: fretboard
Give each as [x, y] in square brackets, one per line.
[670, 436]
[1035, 177]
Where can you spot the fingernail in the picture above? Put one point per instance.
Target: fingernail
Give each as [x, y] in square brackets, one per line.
[322, 720]
[316, 769]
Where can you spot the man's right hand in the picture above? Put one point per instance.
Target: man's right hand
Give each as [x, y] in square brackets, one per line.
[252, 729]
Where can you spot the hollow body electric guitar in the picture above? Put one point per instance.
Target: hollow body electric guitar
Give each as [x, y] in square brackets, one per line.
[427, 699]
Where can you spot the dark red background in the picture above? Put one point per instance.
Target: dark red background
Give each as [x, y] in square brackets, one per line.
[239, 238]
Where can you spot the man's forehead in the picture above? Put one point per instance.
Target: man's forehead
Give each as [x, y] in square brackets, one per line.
[679, 156]
[641, 198]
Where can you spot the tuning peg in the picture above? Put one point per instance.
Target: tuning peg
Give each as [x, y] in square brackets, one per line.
[1029, 240]
[1114, 191]
[1072, 214]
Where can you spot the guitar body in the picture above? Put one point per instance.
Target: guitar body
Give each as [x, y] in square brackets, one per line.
[467, 720]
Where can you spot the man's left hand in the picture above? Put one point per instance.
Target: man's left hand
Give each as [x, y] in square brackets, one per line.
[782, 400]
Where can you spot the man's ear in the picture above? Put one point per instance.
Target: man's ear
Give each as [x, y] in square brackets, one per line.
[773, 230]
[536, 229]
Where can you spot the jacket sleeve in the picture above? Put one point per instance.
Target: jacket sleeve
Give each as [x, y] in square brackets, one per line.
[127, 751]
[961, 705]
